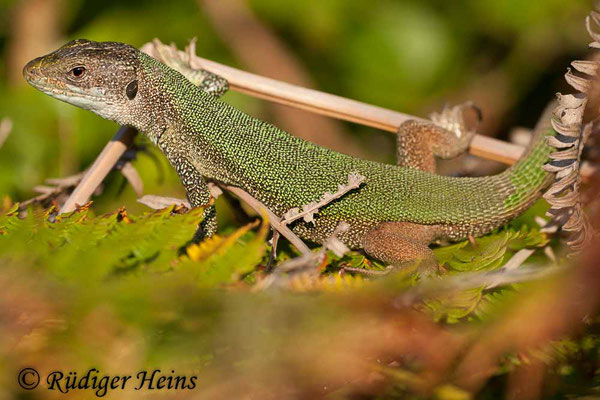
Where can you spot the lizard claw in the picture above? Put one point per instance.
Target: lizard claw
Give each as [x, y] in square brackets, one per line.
[182, 62]
[463, 120]
[171, 56]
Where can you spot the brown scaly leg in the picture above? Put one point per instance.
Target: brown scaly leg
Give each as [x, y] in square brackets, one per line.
[400, 244]
[447, 136]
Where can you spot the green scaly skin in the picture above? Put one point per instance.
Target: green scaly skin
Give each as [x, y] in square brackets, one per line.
[205, 138]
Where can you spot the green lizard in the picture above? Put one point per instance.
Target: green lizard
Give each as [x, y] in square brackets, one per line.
[394, 215]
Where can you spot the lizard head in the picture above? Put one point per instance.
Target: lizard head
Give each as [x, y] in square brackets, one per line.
[97, 76]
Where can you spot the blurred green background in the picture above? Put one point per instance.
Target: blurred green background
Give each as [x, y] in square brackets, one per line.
[408, 55]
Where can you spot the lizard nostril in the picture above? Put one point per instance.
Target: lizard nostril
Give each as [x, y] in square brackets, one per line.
[30, 69]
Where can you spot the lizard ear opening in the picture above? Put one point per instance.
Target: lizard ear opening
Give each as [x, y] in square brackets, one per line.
[131, 89]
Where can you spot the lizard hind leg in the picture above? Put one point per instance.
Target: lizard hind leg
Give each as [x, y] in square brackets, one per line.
[447, 136]
[402, 244]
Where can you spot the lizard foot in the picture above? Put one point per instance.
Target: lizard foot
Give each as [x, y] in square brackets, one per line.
[182, 61]
[447, 135]
[461, 120]
[402, 245]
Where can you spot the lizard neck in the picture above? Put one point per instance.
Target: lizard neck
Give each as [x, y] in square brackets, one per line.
[155, 108]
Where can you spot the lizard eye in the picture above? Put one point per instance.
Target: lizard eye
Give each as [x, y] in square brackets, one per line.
[78, 72]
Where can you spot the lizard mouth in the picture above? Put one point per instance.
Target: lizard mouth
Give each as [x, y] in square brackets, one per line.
[32, 72]
[61, 90]
[67, 94]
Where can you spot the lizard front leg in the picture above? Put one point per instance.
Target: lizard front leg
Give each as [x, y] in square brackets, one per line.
[447, 135]
[179, 61]
[198, 194]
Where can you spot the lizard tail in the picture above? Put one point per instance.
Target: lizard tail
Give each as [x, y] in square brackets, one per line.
[572, 132]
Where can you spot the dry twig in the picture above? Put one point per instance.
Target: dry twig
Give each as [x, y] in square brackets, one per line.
[306, 262]
[104, 163]
[54, 187]
[340, 107]
[309, 210]
[273, 219]
[159, 202]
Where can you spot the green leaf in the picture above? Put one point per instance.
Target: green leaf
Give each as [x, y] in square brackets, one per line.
[489, 252]
[454, 306]
[224, 259]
